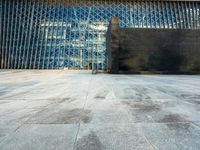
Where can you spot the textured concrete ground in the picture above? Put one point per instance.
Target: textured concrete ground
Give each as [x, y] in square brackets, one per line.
[71, 110]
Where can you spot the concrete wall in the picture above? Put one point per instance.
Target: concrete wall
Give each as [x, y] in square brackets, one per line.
[153, 50]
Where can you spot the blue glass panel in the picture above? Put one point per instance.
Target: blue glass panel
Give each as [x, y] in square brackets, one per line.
[55, 34]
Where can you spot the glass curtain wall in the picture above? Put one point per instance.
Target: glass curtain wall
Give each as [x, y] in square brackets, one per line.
[57, 34]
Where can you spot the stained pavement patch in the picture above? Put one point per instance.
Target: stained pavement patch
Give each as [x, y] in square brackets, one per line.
[142, 107]
[62, 116]
[57, 101]
[179, 126]
[144, 111]
[89, 142]
[176, 122]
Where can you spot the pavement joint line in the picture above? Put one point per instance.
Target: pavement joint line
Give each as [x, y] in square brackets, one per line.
[17, 129]
[79, 122]
[112, 88]
[25, 122]
[154, 147]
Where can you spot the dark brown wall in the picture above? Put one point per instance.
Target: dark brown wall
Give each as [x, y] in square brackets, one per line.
[112, 45]
[154, 50]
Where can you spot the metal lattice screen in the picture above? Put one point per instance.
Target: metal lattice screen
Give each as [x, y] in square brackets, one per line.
[54, 34]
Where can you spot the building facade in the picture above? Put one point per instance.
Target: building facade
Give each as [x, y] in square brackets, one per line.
[57, 34]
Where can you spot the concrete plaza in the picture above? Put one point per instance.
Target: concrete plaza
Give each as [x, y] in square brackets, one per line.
[75, 110]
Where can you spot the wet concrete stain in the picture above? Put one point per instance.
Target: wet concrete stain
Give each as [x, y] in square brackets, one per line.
[75, 115]
[176, 122]
[89, 142]
[143, 112]
[143, 107]
[173, 118]
[63, 116]
[99, 97]
[179, 126]
[59, 100]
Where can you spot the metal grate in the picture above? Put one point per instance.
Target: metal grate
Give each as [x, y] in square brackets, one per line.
[55, 34]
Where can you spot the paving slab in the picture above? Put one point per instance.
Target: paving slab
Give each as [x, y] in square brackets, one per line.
[108, 111]
[41, 137]
[172, 135]
[7, 129]
[111, 136]
[18, 116]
